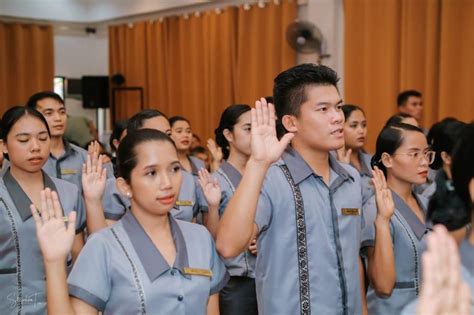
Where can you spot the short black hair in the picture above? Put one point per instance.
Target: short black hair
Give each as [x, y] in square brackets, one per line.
[289, 89]
[136, 121]
[403, 96]
[35, 98]
[198, 150]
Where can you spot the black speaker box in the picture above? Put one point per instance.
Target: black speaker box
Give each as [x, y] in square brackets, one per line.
[95, 91]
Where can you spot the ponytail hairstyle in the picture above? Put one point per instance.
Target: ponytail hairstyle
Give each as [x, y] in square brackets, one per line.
[229, 118]
[389, 140]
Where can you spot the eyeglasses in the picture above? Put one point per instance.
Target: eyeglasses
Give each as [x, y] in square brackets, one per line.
[428, 155]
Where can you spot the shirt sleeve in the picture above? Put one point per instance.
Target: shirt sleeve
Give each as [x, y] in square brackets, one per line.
[114, 203]
[220, 276]
[90, 279]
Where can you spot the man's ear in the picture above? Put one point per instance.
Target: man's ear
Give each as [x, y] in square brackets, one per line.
[123, 187]
[289, 122]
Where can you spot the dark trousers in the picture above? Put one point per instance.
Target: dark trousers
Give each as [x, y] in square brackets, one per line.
[238, 297]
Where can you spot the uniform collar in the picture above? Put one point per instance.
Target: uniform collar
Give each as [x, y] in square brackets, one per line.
[300, 170]
[194, 166]
[148, 253]
[365, 169]
[417, 227]
[68, 150]
[20, 199]
[232, 173]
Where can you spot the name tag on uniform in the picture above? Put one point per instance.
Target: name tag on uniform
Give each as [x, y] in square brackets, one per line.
[68, 171]
[198, 272]
[185, 203]
[350, 211]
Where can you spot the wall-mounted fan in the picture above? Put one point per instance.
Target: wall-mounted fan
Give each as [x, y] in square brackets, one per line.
[306, 38]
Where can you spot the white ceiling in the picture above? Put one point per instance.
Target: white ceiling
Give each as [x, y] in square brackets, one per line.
[88, 11]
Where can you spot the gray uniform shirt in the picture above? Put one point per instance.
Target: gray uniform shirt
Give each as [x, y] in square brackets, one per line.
[409, 241]
[120, 270]
[229, 178]
[191, 199]
[366, 176]
[309, 242]
[22, 278]
[69, 165]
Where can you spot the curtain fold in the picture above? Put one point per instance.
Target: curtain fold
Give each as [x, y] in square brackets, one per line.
[394, 45]
[26, 62]
[197, 65]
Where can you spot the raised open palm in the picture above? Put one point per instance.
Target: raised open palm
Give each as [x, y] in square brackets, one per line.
[94, 177]
[265, 144]
[55, 232]
[210, 187]
[383, 195]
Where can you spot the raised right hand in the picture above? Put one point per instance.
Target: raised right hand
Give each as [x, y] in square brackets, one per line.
[264, 144]
[94, 177]
[55, 232]
[383, 195]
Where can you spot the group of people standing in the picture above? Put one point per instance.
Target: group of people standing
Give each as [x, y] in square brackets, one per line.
[296, 218]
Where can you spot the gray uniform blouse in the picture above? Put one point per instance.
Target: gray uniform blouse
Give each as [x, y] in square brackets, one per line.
[366, 176]
[22, 278]
[69, 165]
[308, 242]
[191, 199]
[120, 270]
[409, 241]
[229, 178]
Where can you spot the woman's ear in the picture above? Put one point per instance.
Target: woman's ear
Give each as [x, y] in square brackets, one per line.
[386, 160]
[446, 158]
[228, 135]
[123, 187]
[289, 122]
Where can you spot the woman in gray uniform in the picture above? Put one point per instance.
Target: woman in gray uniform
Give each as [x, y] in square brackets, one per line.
[191, 202]
[25, 134]
[115, 204]
[233, 136]
[395, 238]
[355, 133]
[148, 262]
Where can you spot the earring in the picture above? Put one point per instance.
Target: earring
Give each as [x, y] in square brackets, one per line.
[129, 194]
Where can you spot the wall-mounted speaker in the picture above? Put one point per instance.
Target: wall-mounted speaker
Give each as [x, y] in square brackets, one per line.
[95, 91]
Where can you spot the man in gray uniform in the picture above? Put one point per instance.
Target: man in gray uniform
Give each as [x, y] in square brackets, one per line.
[306, 208]
[65, 159]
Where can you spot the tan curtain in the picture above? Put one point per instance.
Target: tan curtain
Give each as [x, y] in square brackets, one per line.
[197, 65]
[263, 51]
[26, 62]
[394, 45]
